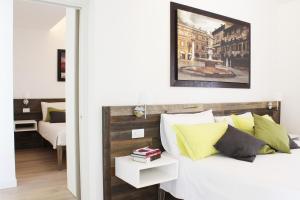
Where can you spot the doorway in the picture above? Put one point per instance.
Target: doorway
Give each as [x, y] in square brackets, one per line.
[29, 106]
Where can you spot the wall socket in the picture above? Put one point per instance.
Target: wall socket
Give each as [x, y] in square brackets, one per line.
[26, 110]
[138, 133]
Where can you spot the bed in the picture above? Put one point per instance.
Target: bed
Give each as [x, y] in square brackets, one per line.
[55, 133]
[274, 176]
[197, 179]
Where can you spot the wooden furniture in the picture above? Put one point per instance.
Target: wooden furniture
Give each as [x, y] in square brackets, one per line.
[146, 174]
[118, 122]
[32, 139]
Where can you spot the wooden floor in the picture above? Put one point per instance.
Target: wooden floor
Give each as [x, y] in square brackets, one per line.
[38, 177]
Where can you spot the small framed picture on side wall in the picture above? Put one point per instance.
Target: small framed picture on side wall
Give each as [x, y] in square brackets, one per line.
[61, 65]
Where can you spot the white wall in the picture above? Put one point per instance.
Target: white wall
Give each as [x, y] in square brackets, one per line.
[35, 61]
[7, 157]
[132, 37]
[287, 65]
[130, 48]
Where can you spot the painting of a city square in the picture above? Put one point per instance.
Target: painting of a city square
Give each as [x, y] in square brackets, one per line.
[212, 48]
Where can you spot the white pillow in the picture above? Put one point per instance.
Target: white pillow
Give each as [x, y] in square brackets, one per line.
[168, 136]
[228, 118]
[46, 105]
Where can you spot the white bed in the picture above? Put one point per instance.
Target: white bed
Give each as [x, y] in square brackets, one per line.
[55, 133]
[269, 177]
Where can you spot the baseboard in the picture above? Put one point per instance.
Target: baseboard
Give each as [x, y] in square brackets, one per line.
[8, 184]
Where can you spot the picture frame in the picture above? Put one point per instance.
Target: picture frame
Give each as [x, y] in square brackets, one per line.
[208, 49]
[61, 65]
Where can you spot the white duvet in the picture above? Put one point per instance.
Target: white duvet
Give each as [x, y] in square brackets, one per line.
[55, 133]
[269, 177]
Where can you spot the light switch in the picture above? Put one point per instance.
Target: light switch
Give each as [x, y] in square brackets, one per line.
[26, 110]
[138, 133]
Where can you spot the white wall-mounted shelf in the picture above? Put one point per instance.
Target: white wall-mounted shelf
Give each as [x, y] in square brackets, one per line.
[145, 174]
[25, 125]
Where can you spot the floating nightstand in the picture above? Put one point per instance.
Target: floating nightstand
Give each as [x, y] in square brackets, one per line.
[146, 174]
[25, 125]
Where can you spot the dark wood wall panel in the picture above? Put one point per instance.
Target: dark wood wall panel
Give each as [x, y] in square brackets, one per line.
[123, 191]
[118, 122]
[29, 140]
[35, 108]
[126, 134]
[32, 139]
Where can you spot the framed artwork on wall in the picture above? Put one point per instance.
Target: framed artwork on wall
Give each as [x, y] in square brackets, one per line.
[209, 50]
[61, 65]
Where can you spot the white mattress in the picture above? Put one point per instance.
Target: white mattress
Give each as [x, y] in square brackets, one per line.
[269, 177]
[55, 133]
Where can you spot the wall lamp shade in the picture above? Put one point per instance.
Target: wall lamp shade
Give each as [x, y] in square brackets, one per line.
[270, 105]
[26, 99]
[140, 111]
[141, 108]
[25, 102]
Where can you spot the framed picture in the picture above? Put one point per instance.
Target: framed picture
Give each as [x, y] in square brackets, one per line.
[209, 50]
[61, 65]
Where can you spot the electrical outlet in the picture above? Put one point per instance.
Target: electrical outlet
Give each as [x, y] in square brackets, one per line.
[26, 110]
[138, 133]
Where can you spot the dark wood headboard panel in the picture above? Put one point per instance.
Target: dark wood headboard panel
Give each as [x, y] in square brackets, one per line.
[118, 121]
[35, 108]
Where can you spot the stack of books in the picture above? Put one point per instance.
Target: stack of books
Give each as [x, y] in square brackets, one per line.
[145, 154]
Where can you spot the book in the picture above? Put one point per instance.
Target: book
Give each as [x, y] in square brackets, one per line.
[146, 156]
[145, 151]
[147, 159]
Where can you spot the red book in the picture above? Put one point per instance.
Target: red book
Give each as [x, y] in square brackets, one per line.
[145, 151]
[146, 156]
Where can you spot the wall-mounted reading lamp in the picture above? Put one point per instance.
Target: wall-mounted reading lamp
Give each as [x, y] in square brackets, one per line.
[25, 103]
[141, 109]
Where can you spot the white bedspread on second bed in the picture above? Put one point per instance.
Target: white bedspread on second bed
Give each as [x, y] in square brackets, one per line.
[55, 133]
[269, 177]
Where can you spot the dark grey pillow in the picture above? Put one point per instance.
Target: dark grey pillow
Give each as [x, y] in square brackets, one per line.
[57, 117]
[239, 145]
[293, 144]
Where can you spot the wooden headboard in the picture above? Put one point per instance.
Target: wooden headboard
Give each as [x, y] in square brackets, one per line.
[35, 108]
[118, 121]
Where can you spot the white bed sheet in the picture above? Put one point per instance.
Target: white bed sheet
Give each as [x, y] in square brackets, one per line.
[269, 177]
[55, 133]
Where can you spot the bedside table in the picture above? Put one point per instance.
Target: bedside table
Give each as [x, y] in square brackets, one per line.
[26, 135]
[25, 125]
[141, 175]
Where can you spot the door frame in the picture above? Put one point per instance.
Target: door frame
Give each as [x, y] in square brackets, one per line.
[81, 54]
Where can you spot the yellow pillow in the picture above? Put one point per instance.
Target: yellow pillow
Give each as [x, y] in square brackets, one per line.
[245, 124]
[197, 141]
[269, 118]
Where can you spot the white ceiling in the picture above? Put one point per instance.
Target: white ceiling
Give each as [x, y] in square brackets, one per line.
[35, 15]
